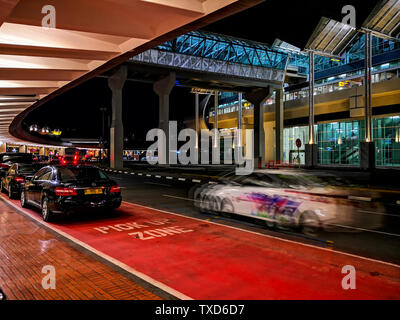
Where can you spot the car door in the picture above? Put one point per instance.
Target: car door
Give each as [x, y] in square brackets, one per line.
[32, 187]
[41, 183]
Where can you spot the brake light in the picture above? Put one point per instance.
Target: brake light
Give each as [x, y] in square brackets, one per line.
[65, 191]
[19, 179]
[115, 189]
[75, 157]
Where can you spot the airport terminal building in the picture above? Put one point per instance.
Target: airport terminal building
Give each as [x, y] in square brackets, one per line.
[339, 106]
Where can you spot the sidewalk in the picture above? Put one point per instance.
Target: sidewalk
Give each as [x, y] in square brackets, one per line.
[26, 247]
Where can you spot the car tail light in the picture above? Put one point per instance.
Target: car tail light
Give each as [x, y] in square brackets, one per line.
[115, 189]
[3, 165]
[19, 179]
[65, 191]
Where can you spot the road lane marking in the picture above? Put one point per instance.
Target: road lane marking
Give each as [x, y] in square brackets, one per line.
[180, 198]
[181, 179]
[380, 213]
[159, 184]
[110, 259]
[268, 236]
[359, 198]
[196, 180]
[140, 174]
[362, 229]
[158, 177]
[169, 178]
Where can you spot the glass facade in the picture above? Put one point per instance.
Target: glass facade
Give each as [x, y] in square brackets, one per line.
[386, 134]
[292, 154]
[339, 142]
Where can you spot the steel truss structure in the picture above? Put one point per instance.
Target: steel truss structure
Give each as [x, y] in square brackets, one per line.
[202, 64]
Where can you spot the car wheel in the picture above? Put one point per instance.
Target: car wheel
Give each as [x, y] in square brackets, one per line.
[271, 223]
[46, 213]
[309, 224]
[23, 200]
[212, 205]
[227, 208]
[202, 204]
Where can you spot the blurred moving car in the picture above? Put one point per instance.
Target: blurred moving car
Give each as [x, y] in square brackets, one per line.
[66, 189]
[16, 176]
[8, 158]
[288, 199]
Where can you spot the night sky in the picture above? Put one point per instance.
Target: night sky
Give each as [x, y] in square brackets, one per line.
[77, 113]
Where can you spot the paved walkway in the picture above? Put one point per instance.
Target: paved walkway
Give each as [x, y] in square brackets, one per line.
[26, 247]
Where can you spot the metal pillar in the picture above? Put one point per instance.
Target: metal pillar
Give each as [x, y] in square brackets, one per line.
[163, 89]
[116, 83]
[367, 147]
[240, 120]
[279, 115]
[197, 120]
[367, 80]
[311, 138]
[311, 147]
[216, 117]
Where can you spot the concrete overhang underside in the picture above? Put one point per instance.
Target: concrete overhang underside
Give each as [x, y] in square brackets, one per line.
[90, 37]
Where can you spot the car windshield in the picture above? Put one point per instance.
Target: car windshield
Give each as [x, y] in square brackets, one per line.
[17, 158]
[76, 174]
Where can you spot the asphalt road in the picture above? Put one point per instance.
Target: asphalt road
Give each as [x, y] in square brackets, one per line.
[174, 196]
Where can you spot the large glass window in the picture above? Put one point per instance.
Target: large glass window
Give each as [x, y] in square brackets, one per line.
[386, 134]
[338, 143]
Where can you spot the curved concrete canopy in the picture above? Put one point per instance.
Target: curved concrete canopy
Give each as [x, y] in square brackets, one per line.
[89, 38]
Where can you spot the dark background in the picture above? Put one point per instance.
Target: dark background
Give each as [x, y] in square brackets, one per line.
[77, 113]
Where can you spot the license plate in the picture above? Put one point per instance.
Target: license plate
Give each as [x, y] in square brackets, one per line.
[93, 191]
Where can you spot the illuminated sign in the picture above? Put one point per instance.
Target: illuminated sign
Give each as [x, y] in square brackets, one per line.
[202, 91]
[344, 83]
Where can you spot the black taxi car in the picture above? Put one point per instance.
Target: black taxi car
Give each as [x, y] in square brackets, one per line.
[65, 189]
[16, 176]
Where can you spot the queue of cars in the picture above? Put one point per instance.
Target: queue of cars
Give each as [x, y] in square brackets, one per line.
[57, 188]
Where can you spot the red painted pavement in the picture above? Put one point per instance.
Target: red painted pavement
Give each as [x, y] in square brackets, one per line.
[209, 261]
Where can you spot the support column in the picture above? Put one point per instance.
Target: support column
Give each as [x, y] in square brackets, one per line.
[367, 147]
[279, 115]
[311, 147]
[238, 152]
[197, 119]
[116, 83]
[257, 97]
[163, 89]
[216, 143]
